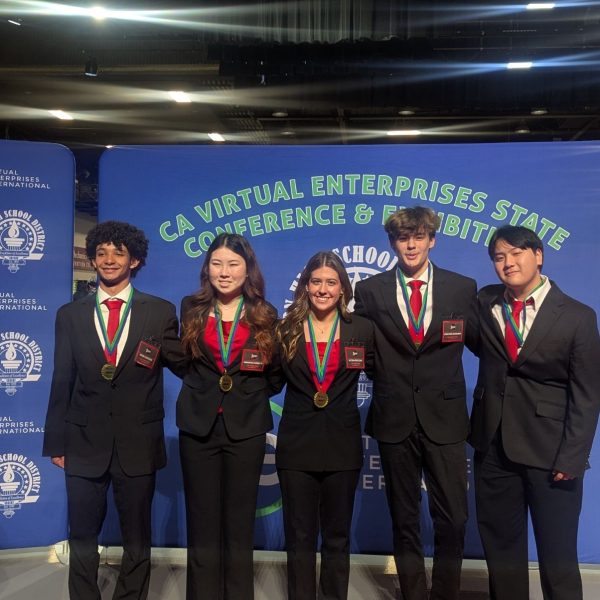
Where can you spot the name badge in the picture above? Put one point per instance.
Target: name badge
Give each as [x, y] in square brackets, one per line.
[252, 360]
[453, 330]
[146, 354]
[355, 357]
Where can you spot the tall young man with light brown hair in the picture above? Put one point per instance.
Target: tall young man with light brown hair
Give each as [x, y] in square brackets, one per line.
[418, 413]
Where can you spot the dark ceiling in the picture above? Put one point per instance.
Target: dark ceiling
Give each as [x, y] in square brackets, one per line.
[299, 72]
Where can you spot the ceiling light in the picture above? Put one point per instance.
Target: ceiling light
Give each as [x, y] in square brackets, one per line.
[287, 132]
[61, 114]
[526, 64]
[91, 68]
[280, 114]
[404, 132]
[98, 13]
[180, 97]
[522, 129]
[406, 112]
[540, 5]
[15, 22]
[109, 146]
[539, 111]
[216, 137]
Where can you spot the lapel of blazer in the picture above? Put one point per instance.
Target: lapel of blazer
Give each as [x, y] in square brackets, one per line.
[235, 365]
[497, 338]
[438, 289]
[206, 356]
[137, 325]
[87, 327]
[346, 330]
[388, 295]
[302, 356]
[346, 339]
[544, 321]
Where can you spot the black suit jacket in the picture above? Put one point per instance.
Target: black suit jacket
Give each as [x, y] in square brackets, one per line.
[425, 384]
[324, 439]
[246, 408]
[87, 415]
[547, 403]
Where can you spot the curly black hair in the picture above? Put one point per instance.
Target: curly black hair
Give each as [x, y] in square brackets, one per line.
[119, 234]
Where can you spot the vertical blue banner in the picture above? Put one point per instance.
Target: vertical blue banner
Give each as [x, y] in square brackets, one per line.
[36, 250]
[293, 201]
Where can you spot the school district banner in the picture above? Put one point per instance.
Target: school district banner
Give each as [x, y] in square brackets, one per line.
[36, 265]
[293, 201]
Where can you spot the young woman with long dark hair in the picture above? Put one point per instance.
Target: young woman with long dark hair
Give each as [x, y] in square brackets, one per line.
[223, 414]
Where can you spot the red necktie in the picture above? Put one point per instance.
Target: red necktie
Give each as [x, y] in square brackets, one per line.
[510, 339]
[114, 314]
[416, 303]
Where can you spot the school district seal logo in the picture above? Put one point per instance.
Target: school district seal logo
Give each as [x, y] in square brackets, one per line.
[22, 238]
[20, 360]
[20, 482]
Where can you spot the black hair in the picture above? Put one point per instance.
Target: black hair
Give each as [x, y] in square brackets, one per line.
[259, 314]
[517, 236]
[120, 235]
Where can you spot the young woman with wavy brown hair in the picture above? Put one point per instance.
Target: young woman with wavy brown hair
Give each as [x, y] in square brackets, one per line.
[319, 445]
[223, 414]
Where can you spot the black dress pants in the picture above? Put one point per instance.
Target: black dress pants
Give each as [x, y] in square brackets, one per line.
[87, 509]
[220, 478]
[444, 468]
[505, 491]
[312, 501]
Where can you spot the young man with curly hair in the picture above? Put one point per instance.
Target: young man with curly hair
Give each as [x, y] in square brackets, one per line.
[104, 423]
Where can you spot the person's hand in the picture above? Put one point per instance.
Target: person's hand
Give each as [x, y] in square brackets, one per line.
[59, 461]
[560, 476]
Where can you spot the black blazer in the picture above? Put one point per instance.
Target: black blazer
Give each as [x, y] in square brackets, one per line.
[425, 384]
[324, 439]
[547, 403]
[246, 408]
[87, 415]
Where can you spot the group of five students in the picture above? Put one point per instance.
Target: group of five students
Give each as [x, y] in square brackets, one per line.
[534, 415]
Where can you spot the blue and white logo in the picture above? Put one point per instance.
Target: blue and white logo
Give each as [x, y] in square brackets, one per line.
[20, 483]
[20, 361]
[22, 238]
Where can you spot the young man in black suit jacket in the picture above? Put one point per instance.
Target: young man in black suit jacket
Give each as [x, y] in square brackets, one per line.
[533, 421]
[104, 423]
[418, 413]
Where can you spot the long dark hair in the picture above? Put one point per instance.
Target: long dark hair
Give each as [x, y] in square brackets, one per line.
[290, 328]
[258, 313]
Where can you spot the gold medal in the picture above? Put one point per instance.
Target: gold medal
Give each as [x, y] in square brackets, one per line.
[320, 399]
[225, 382]
[108, 371]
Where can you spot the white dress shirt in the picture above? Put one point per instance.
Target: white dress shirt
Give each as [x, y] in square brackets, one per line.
[102, 296]
[427, 278]
[530, 310]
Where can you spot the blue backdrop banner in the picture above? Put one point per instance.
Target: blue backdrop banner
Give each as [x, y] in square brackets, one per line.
[36, 263]
[292, 201]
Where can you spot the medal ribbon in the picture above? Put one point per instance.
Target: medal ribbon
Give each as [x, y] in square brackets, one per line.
[110, 346]
[418, 322]
[225, 348]
[509, 319]
[321, 365]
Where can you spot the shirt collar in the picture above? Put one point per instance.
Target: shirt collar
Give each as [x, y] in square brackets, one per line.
[122, 295]
[424, 276]
[533, 299]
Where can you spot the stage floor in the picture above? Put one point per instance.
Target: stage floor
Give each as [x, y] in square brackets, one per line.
[42, 573]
